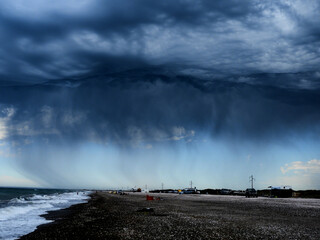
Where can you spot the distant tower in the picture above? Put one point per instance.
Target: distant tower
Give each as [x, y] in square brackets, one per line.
[191, 183]
[251, 179]
[162, 186]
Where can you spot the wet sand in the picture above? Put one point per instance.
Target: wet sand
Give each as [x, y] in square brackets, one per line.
[109, 216]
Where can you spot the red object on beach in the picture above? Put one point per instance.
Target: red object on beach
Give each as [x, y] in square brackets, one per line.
[149, 198]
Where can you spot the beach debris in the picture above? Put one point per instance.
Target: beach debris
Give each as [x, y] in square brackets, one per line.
[149, 198]
[146, 210]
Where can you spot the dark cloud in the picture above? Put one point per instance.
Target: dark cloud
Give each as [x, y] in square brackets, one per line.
[245, 68]
[134, 107]
[142, 74]
[76, 38]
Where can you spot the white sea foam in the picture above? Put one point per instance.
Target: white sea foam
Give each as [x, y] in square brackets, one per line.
[22, 215]
[12, 212]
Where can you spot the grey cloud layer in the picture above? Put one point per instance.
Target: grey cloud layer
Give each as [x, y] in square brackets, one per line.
[138, 107]
[75, 38]
[243, 68]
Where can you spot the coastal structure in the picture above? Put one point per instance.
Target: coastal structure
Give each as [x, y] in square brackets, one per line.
[281, 191]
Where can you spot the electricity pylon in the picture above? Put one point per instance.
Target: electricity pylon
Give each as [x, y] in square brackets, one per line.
[251, 179]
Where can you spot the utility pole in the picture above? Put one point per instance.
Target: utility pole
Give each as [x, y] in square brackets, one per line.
[251, 179]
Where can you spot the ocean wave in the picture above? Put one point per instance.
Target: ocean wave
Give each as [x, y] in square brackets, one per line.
[21, 215]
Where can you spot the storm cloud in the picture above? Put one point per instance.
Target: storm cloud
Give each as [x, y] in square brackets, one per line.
[119, 70]
[141, 106]
[140, 74]
[41, 41]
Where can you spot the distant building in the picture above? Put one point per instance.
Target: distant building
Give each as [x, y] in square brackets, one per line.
[281, 192]
[189, 190]
[225, 191]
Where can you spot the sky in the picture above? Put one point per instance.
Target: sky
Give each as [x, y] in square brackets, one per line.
[121, 94]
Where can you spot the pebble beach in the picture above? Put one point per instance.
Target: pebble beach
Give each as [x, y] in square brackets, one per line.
[173, 216]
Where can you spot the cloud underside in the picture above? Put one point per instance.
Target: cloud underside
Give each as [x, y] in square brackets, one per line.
[147, 74]
[130, 109]
[77, 38]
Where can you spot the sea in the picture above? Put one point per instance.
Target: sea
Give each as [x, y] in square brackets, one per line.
[21, 208]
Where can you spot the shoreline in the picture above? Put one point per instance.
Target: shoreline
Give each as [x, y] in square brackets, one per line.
[111, 216]
[57, 217]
